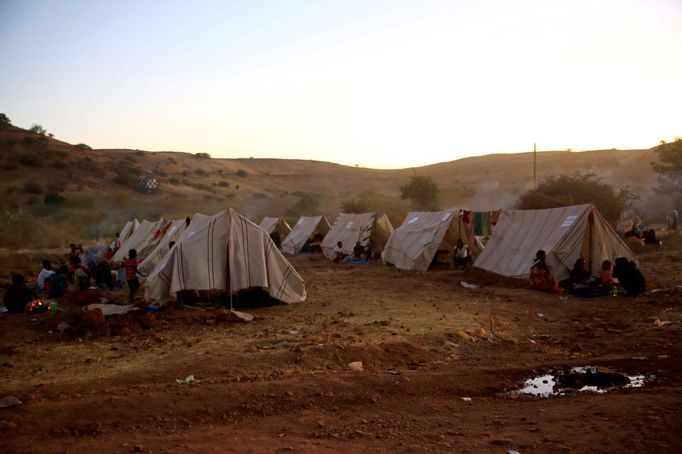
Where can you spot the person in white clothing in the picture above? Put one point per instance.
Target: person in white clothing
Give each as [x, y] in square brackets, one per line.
[462, 254]
[44, 274]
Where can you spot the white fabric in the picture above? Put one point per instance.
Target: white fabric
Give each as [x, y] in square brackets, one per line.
[351, 228]
[565, 234]
[139, 238]
[224, 252]
[44, 274]
[413, 245]
[150, 256]
[305, 228]
[128, 229]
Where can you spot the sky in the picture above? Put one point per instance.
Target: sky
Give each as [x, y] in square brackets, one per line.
[375, 83]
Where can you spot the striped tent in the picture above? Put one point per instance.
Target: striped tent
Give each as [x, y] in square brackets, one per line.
[277, 228]
[224, 252]
[306, 229]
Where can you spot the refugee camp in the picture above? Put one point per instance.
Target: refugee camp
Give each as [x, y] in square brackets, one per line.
[368, 227]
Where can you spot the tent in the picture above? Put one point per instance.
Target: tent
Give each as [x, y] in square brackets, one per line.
[565, 234]
[414, 244]
[351, 228]
[139, 239]
[224, 252]
[128, 229]
[308, 229]
[150, 256]
[277, 228]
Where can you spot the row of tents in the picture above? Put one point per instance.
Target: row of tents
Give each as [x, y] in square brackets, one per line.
[227, 251]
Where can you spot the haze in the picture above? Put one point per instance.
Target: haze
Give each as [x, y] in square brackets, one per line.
[382, 84]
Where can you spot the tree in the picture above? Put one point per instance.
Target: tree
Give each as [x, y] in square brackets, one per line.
[37, 129]
[669, 167]
[4, 120]
[422, 191]
[576, 189]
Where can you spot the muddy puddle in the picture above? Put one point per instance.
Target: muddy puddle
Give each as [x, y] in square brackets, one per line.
[585, 379]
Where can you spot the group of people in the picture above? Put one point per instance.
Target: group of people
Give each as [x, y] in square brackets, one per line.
[581, 282]
[360, 253]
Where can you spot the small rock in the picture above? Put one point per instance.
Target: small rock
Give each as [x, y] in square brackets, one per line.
[9, 401]
[356, 366]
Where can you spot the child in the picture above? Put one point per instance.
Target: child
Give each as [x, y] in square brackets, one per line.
[131, 274]
[44, 274]
[606, 273]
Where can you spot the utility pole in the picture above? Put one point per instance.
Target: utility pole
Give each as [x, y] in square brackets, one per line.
[535, 167]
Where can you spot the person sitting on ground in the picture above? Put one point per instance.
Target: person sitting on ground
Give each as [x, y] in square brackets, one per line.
[18, 295]
[358, 252]
[606, 273]
[337, 252]
[540, 277]
[130, 266]
[462, 254]
[580, 281]
[650, 238]
[629, 276]
[57, 283]
[44, 274]
[79, 273]
[369, 252]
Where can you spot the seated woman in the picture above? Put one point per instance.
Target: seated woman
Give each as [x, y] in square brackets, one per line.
[580, 281]
[629, 276]
[540, 276]
[462, 254]
[369, 252]
[606, 273]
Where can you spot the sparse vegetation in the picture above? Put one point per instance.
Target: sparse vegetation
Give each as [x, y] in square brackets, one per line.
[422, 191]
[202, 155]
[53, 198]
[223, 184]
[669, 167]
[29, 159]
[83, 146]
[200, 172]
[4, 120]
[242, 173]
[575, 189]
[37, 129]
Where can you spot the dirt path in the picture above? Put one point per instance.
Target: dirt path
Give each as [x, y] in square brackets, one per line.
[282, 382]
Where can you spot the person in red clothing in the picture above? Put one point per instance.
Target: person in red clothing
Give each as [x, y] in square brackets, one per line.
[131, 274]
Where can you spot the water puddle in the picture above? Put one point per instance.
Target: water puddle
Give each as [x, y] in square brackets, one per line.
[592, 379]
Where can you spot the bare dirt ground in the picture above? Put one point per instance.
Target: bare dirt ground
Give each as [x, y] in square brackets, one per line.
[282, 383]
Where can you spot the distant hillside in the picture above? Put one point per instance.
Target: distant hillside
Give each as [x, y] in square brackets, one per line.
[98, 186]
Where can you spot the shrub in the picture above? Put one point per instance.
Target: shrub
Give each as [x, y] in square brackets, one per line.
[4, 120]
[54, 198]
[171, 161]
[200, 172]
[202, 155]
[174, 180]
[37, 129]
[29, 160]
[575, 189]
[83, 146]
[242, 173]
[422, 191]
[31, 187]
[223, 184]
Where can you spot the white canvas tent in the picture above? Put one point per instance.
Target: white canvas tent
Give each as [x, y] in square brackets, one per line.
[307, 228]
[150, 256]
[224, 252]
[139, 239]
[277, 228]
[565, 234]
[128, 229]
[351, 228]
[415, 243]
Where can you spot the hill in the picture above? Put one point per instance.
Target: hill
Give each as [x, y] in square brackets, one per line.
[55, 190]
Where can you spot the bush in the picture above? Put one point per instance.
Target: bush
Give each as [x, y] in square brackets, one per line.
[29, 160]
[83, 146]
[576, 189]
[37, 129]
[223, 184]
[31, 187]
[422, 191]
[242, 173]
[171, 161]
[4, 120]
[54, 199]
[202, 155]
[200, 172]
[174, 181]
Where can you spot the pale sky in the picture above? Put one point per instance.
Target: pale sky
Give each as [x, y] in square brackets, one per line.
[380, 83]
